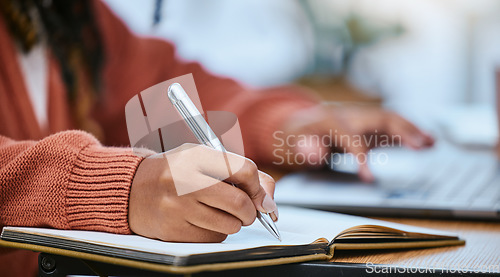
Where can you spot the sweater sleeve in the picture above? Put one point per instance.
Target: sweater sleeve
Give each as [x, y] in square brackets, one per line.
[65, 181]
[135, 63]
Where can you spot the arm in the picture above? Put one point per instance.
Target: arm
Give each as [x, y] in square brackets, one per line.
[134, 64]
[69, 181]
[66, 181]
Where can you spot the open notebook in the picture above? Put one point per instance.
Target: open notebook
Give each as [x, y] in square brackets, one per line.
[304, 233]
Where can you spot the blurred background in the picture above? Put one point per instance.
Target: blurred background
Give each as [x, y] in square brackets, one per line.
[433, 61]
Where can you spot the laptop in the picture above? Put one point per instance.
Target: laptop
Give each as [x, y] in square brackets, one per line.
[445, 181]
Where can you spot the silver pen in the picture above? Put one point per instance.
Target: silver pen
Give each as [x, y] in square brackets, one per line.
[206, 136]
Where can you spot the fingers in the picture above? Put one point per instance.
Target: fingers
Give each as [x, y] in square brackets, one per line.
[244, 174]
[226, 166]
[232, 200]
[267, 182]
[215, 220]
[179, 196]
[234, 169]
[247, 179]
[365, 173]
[198, 234]
[312, 149]
[187, 232]
[411, 135]
[360, 152]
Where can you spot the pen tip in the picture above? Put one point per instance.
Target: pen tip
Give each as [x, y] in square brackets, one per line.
[276, 233]
[268, 223]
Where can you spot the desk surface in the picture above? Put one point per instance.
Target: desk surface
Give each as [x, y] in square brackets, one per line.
[480, 254]
[481, 251]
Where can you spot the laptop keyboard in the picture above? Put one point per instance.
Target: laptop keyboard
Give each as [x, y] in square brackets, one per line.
[449, 178]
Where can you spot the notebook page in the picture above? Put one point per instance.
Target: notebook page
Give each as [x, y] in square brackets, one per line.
[332, 224]
[297, 226]
[290, 224]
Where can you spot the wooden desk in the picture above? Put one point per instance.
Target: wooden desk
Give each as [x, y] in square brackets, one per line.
[481, 251]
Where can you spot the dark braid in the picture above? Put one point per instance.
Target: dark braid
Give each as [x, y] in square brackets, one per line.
[71, 32]
[75, 42]
[20, 23]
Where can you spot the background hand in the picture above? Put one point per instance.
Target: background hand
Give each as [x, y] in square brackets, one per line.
[355, 129]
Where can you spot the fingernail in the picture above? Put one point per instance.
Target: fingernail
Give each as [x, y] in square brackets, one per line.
[418, 141]
[268, 204]
[274, 215]
[430, 139]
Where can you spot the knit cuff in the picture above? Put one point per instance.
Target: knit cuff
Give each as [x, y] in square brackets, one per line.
[99, 187]
[265, 120]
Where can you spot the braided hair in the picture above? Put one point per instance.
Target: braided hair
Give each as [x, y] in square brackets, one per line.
[71, 34]
[74, 40]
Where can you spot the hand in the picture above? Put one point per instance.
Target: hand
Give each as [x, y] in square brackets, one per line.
[179, 196]
[352, 129]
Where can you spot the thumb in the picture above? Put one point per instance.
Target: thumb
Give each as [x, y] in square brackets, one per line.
[268, 183]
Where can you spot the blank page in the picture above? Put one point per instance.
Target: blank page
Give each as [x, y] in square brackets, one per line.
[297, 227]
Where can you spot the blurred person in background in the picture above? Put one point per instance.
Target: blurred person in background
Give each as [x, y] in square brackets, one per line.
[425, 59]
[68, 69]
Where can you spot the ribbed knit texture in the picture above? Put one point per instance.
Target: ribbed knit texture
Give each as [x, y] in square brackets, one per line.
[98, 189]
[66, 181]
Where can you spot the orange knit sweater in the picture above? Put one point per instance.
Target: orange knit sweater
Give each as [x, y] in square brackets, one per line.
[67, 179]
